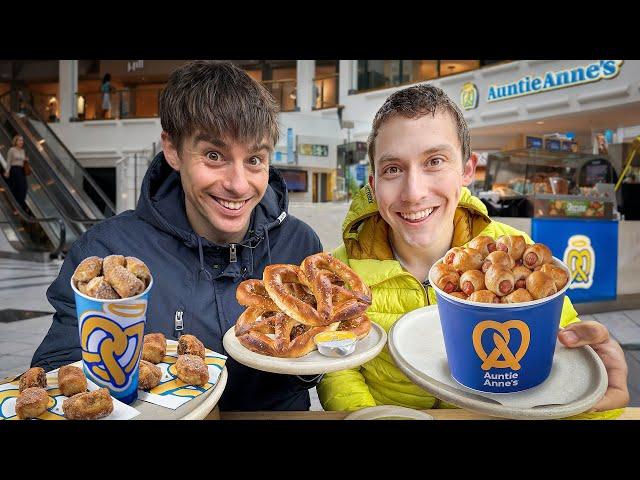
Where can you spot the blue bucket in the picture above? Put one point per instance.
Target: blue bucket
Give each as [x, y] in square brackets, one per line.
[111, 337]
[500, 348]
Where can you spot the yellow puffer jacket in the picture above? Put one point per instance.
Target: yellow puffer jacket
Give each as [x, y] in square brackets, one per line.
[395, 291]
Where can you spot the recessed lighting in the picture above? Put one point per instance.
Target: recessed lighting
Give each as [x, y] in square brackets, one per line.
[540, 122]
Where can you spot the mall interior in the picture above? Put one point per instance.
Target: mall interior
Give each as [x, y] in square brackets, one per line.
[555, 140]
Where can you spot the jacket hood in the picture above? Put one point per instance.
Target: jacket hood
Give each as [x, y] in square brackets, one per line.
[365, 233]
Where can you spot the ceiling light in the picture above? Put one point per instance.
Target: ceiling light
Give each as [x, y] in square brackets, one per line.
[539, 122]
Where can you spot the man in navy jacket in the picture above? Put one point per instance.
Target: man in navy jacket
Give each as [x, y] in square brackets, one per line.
[212, 213]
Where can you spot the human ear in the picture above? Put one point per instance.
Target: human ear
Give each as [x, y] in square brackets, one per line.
[372, 184]
[170, 152]
[469, 170]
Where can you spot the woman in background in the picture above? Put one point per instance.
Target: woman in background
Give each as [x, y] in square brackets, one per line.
[14, 171]
[105, 88]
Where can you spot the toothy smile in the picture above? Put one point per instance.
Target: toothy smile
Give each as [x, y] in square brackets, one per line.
[416, 216]
[230, 205]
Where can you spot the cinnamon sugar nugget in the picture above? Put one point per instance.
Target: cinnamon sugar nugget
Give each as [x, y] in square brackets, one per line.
[123, 281]
[139, 269]
[71, 380]
[88, 405]
[149, 375]
[34, 377]
[154, 347]
[32, 402]
[99, 288]
[191, 369]
[190, 345]
[111, 261]
[89, 268]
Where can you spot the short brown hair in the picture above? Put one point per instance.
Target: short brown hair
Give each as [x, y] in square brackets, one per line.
[217, 97]
[415, 102]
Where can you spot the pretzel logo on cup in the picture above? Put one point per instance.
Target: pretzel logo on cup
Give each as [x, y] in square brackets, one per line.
[501, 339]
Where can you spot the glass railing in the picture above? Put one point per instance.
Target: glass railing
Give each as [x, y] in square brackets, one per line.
[284, 92]
[125, 103]
[325, 91]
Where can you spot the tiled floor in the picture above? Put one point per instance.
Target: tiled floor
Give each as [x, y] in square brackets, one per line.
[23, 286]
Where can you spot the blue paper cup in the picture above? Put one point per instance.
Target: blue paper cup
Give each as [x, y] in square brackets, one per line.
[500, 348]
[111, 336]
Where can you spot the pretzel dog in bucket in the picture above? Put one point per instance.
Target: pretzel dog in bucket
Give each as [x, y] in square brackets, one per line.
[293, 304]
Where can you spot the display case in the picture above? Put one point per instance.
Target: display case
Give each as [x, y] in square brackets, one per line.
[532, 182]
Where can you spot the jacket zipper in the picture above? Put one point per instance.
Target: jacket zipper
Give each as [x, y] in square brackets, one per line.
[232, 253]
[178, 324]
[426, 284]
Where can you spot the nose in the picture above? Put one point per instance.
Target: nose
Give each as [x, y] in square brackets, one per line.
[415, 188]
[236, 181]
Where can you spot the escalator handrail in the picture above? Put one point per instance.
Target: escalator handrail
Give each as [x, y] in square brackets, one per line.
[31, 219]
[85, 174]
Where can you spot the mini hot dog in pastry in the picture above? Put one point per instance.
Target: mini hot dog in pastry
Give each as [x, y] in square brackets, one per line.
[484, 296]
[471, 281]
[446, 277]
[467, 259]
[540, 285]
[514, 245]
[71, 380]
[559, 275]
[536, 255]
[498, 258]
[484, 244]
[499, 280]
[34, 377]
[517, 296]
[520, 274]
[459, 295]
[451, 253]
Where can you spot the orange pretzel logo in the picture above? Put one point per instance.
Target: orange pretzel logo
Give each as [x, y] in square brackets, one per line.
[501, 340]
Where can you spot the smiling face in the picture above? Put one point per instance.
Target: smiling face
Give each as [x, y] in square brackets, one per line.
[223, 181]
[418, 177]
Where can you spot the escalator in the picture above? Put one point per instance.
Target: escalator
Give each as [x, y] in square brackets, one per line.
[59, 187]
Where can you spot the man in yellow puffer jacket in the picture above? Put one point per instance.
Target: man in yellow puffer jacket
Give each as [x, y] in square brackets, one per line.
[414, 209]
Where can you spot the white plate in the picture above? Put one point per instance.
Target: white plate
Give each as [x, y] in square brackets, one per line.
[388, 412]
[312, 363]
[578, 378]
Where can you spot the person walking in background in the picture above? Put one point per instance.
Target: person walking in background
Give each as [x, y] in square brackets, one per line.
[14, 171]
[106, 88]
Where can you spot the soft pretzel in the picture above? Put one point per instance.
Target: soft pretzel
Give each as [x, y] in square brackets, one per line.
[484, 296]
[191, 345]
[559, 275]
[536, 255]
[149, 375]
[520, 274]
[467, 259]
[99, 288]
[191, 369]
[514, 245]
[484, 244]
[471, 281]
[360, 326]
[317, 272]
[278, 335]
[123, 281]
[71, 380]
[88, 405]
[517, 296]
[32, 402]
[499, 280]
[154, 347]
[139, 269]
[34, 377]
[500, 258]
[251, 293]
[540, 285]
[275, 276]
[446, 277]
[88, 268]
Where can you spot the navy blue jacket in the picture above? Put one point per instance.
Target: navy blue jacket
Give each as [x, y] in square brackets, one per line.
[191, 275]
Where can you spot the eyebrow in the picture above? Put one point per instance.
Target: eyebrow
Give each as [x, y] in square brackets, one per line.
[203, 137]
[437, 148]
